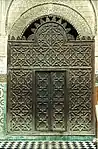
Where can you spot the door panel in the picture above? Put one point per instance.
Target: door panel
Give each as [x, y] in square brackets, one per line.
[50, 101]
[57, 84]
[58, 100]
[42, 116]
[42, 98]
[20, 101]
[58, 116]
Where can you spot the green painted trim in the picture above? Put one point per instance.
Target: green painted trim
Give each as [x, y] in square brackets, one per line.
[49, 138]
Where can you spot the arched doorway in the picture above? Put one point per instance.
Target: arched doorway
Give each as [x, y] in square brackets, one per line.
[50, 87]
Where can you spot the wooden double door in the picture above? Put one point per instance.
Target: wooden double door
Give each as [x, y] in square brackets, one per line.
[50, 97]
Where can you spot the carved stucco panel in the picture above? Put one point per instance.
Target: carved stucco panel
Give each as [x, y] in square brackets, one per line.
[3, 68]
[2, 94]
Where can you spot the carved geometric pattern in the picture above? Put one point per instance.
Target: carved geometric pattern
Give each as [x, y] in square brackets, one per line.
[58, 119]
[20, 101]
[1, 107]
[55, 56]
[57, 100]
[48, 29]
[50, 101]
[42, 99]
[20, 55]
[77, 55]
[80, 94]
[80, 90]
[39, 93]
[50, 34]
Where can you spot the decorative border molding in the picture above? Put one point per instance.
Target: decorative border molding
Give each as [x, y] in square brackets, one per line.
[1, 108]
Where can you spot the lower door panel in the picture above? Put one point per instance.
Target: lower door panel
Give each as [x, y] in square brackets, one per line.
[50, 101]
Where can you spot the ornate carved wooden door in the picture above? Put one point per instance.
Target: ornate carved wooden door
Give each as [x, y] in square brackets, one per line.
[50, 101]
[50, 75]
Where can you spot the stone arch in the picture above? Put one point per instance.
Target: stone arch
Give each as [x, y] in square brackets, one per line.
[79, 21]
[93, 4]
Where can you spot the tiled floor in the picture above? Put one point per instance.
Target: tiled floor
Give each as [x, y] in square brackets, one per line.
[47, 145]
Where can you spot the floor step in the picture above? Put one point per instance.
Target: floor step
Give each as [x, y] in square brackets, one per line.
[47, 145]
